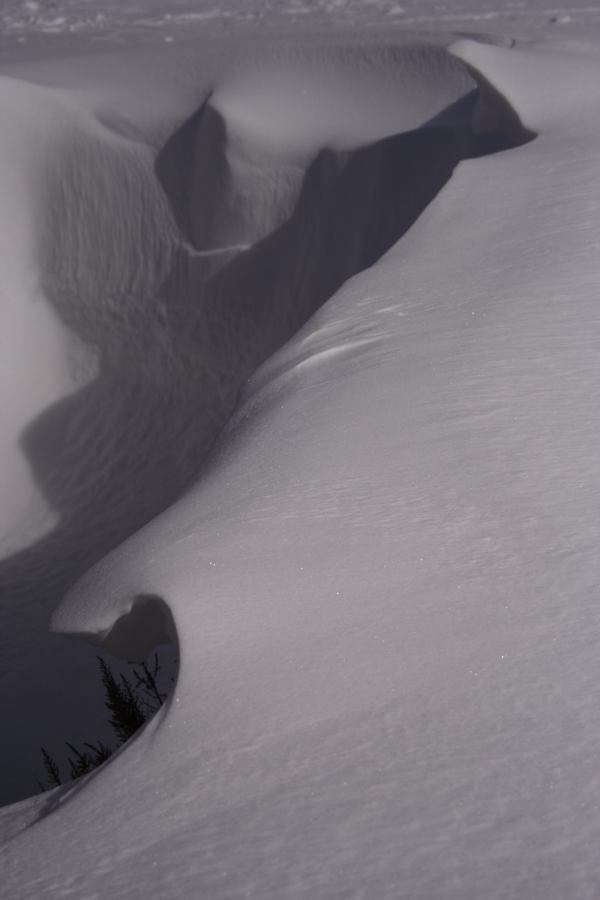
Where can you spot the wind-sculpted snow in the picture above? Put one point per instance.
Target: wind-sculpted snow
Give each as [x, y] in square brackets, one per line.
[160, 262]
[383, 582]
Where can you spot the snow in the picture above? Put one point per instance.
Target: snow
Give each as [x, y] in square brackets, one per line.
[310, 390]
[52, 26]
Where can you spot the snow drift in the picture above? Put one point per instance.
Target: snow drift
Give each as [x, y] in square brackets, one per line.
[170, 260]
[383, 584]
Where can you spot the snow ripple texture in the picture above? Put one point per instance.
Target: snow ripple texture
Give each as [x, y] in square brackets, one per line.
[315, 337]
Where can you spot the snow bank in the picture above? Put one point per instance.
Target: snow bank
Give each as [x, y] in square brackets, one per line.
[383, 586]
[167, 248]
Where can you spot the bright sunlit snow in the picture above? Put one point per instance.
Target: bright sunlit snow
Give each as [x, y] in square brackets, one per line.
[299, 353]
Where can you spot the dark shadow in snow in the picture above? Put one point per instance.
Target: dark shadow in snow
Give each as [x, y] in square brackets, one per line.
[119, 451]
[147, 628]
[148, 624]
[175, 164]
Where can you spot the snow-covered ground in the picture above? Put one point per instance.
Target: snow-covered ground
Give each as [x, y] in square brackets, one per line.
[299, 326]
[48, 26]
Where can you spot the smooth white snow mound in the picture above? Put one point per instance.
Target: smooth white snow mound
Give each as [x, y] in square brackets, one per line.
[545, 85]
[384, 587]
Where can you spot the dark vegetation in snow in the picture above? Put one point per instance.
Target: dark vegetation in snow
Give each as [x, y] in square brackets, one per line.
[131, 701]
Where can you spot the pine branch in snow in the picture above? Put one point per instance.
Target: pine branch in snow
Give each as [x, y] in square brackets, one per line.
[146, 685]
[80, 763]
[127, 714]
[52, 770]
[101, 752]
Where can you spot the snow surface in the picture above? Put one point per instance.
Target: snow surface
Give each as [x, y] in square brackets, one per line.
[382, 581]
[34, 27]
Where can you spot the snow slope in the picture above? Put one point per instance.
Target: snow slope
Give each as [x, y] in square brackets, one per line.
[383, 585]
[170, 235]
